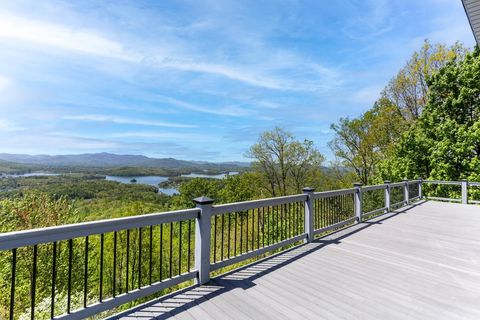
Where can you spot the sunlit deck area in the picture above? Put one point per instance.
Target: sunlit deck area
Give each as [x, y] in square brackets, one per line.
[418, 262]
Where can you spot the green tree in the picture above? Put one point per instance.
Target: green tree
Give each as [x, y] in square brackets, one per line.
[408, 90]
[195, 188]
[283, 161]
[445, 142]
[368, 144]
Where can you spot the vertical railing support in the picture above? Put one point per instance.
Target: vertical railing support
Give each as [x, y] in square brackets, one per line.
[405, 192]
[420, 182]
[202, 239]
[387, 195]
[309, 210]
[464, 191]
[358, 201]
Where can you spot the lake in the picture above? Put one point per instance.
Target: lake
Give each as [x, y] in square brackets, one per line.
[212, 176]
[149, 180]
[31, 174]
[155, 180]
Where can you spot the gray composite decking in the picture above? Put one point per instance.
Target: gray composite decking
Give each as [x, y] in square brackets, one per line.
[420, 262]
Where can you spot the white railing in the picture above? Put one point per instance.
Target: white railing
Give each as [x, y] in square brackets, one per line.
[173, 247]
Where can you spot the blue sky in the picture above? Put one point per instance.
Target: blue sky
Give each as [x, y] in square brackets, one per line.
[200, 80]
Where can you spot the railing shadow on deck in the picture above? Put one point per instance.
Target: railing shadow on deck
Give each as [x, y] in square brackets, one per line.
[244, 277]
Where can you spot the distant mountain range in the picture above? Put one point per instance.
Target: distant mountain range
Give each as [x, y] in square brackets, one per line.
[114, 160]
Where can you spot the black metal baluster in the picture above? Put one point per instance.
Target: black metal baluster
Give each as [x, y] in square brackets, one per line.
[235, 240]
[12, 287]
[325, 214]
[128, 260]
[215, 239]
[171, 250]
[279, 223]
[85, 274]
[297, 218]
[69, 283]
[189, 241]
[253, 229]
[269, 225]
[114, 279]
[228, 240]
[180, 249]
[334, 207]
[318, 213]
[150, 256]
[222, 240]
[329, 211]
[241, 234]
[246, 232]
[263, 227]
[289, 214]
[54, 278]
[337, 211]
[101, 267]
[161, 252]
[274, 225]
[258, 228]
[33, 282]
[139, 258]
[285, 217]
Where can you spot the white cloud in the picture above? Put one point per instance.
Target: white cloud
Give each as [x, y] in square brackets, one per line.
[8, 126]
[4, 83]
[61, 36]
[164, 135]
[122, 120]
[92, 42]
[222, 111]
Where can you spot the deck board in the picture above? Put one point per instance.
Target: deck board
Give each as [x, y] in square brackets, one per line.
[419, 262]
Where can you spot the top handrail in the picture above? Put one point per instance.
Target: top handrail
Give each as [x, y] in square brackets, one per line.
[17, 239]
[442, 182]
[253, 204]
[332, 193]
[374, 187]
[397, 184]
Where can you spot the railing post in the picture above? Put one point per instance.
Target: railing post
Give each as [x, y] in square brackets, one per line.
[405, 192]
[358, 201]
[465, 191]
[420, 194]
[387, 195]
[202, 239]
[309, 209]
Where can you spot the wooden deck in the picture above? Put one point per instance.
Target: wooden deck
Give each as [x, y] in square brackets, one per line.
[421, 262]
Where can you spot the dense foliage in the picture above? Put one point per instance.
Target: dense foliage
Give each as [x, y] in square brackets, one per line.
[419, 126]
[445, 142]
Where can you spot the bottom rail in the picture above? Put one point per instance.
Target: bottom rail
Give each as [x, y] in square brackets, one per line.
[334, 226]
[374, 212]
[444, 199]
[111, 303]
[252, 254]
